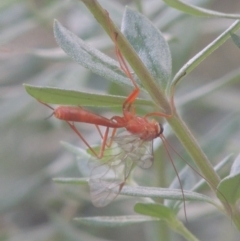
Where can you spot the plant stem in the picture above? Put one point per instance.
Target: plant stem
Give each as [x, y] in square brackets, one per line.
[180, 228]
[194, 150]
[130, 55]
[202, 162]
[162, 229]
[159, 97]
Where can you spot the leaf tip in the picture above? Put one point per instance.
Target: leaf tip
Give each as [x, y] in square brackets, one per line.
[27, 88]
[57, 28]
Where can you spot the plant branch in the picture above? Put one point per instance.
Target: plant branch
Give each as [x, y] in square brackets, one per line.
[130, 55]
[180, 228]
[158, 96]
[198, 58]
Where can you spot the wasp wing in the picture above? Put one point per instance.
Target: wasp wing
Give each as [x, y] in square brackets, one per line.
[110, 174]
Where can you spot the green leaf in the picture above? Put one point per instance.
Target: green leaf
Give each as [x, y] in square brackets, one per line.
[198, 11]
[172, 194]
[217, 168]
[150, 45]
[235, 39]
[114, 221]
[229, 187]
[72, 97]
[166, 214]
[155, 210]
[198, 58]
[87, 56]
[73, 181]
[189, 182]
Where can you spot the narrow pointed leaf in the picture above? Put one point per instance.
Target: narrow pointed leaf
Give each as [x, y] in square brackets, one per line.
[173, 194]
[87, 56]
[217, 168]
[155, 210]
[73, 181]
[114, 221]
[72, 97]
[229, 187]
[150, 45]
[162, 212]
[191, 181]
[236, 39]
[198, 58]
[198, 11]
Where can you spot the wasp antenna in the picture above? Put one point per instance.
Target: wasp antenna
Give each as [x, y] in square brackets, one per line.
[48, 117]
[50, 107]
[175, 169]
[194, 169]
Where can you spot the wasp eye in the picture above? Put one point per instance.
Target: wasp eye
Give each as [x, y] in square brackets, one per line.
[161, 129]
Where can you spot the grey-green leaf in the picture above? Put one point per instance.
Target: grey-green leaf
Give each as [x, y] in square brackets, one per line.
[155, 210]
[198, 11]
[162, 212]
[150, 45]
[209, 49]
[218, 167]
[229, 187]
[114, 221]
[71, 180]
[172, 194]
[87, 56]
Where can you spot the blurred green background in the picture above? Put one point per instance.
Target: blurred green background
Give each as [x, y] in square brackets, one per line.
[32, 207]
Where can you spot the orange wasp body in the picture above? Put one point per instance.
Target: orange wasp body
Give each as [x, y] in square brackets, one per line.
[141, 126]
[77, 114]
[135, 147]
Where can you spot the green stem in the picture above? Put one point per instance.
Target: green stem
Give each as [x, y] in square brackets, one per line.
[159, 97]
[181, 229]
[202, 162]
[162, 229]
[191, 145]
[236, 216]
[199, 157]
[130, 55]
